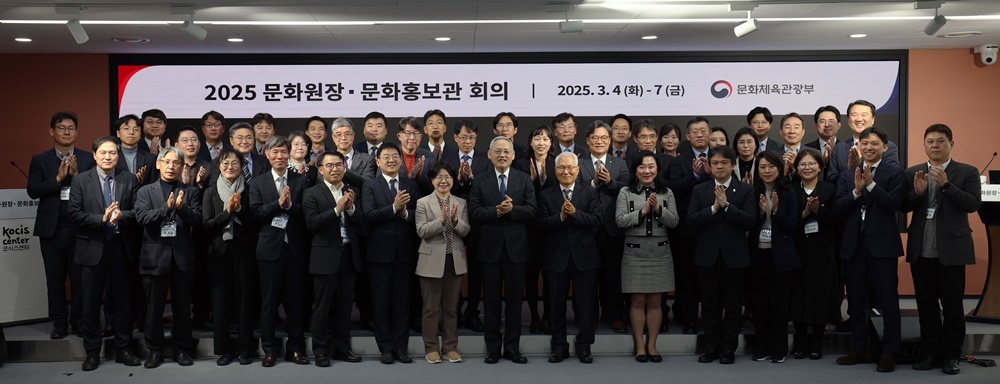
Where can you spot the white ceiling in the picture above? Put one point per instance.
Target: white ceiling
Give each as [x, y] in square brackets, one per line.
[404, 32]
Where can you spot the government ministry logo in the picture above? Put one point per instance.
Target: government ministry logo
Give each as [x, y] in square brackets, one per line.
[721, 89]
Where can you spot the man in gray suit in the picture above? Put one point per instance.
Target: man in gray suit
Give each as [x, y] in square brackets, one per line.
[941, 193]
[360, 165]
[608, 174]
[846, 154]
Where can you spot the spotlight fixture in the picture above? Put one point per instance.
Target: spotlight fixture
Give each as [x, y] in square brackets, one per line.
[745, 28]
[935, 24]
[77, 31]
[571, 26]
[194, 30]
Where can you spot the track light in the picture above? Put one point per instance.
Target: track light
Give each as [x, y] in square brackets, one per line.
[194, 30]
[745, 28]
[935, 24]
[77, 31]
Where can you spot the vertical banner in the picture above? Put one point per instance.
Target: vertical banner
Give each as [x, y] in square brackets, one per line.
[22, 273]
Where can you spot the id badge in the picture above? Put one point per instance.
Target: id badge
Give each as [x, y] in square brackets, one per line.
[930, 212]
[343, 230]
[812, 226]
[168, 229]
[64, 194]
[280, 221]
[765, 235]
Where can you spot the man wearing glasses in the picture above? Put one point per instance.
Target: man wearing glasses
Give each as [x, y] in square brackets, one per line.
[154, 124]
[213, 127]
[505, 124]
[564, 126]
[360, 165]
[416, 161]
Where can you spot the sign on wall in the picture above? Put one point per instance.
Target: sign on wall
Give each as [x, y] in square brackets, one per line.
[22, 275]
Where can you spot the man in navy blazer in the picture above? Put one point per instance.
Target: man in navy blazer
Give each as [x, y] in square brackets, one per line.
[329, 208]
[435, 127]
[282, 248]
[721, 213]
[101, 203]
[360, 165]
[847, 154]
[167, 210]
[389, 204]
[213, 127]
[375, 130]
[142, 164]
[869, 200]
[759, 119]
[571, 213]
[941, 193]
[502, 202]
[49, 178]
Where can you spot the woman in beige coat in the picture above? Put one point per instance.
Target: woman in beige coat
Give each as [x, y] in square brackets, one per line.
[442, 221]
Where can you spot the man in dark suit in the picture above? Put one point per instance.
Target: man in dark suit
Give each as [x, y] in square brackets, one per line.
[608, 174]
[722, 212]
[827, 123]
[167, 210]
[375, 130]
[416, 161]
[693, 170]
[142, 164]
[564, 127]
[389, 203]
[469, 163]
[502, 201]
[871, 244]
[213, 127]
[505, 124]
[329, 211]
[49, 178]
[154, 125]
[847, 154]
[941, 194]
[101, 202]
[621, 131]
[241, 137]
[360, 165]
[572, 215]
[435, 128]
[276, 207]
[759, 119]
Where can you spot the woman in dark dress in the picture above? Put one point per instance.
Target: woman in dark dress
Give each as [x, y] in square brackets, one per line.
[541, 167]
[814, 286]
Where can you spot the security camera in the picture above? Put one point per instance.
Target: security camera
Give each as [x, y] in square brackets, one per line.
[987, 53]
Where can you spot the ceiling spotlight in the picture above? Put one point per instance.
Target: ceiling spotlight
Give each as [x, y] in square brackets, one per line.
[442, 38]
[650, 37]
[935, 24]
[571, 26]
[194, 30]
[22, 39]
[77, 31]
[234, 40]
[858, 35]
[745, 28]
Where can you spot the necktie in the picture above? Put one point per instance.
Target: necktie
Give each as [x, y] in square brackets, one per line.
[618, 154]
[702, 155]
[392, 187]
[281, 184]
[466, 158]
[568, 194]
[346, 162]
[503, 186]
[437, 152]
[373, 150]
[246, 171]
[763, 144]
[598, 164]
[109, 193]
[567, 150]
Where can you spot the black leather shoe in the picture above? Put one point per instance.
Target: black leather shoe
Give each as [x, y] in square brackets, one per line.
[402, 357]
[558, 356]
[297, 358]
[387, 358]
[516, 357]
[348, 356]
[183, 359]
[492, 358]
[128, 358]
[928, 363]
[655, 358]
[708, 357]
[246, 360]
[92, 361]
[643, 358]
[584, 355]
[727, 358]
[951, 367]
[58, 333]
[269, 360]
[224, 360]
[690, 328]
[322, 361]
[886, 363]
[154, 360]
[473, 323]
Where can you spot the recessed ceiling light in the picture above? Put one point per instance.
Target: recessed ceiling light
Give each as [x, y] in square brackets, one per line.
[443, 38]
[234, 40]
[650, 37]
[22, 39]
[858, 35]
[955, 35]
[133, 40]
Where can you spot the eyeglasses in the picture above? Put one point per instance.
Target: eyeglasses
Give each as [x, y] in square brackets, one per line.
[243, 138]
[646, 137]
[333, 165]
[808, 165]
[505, 152]
[213, 125]
[443, 178]
[187, 141]
[466, 138]
[230, 164]
[65, 128]
[620, 129]
[341, 135]
[505, 125]
[600, 138]
[387, 156]
[410, 134]
[168, 163]
[567, 168]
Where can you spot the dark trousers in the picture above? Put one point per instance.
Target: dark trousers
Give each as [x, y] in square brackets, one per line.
[688, 292]
[474, 280]
[879, 273]
[613, 303]
[532, 294]
[114, 268]
[503, 283]
[331, 321]
[585, 296]
[771, 300]
[390, 289]
[180, 285]
[201, 304]
[248, 299]
[57, 255]
[934, 283]
[282, 281]
[222, 285]
[722, 297]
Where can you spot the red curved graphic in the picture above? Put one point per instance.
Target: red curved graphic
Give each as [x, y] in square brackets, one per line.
[125, 73]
